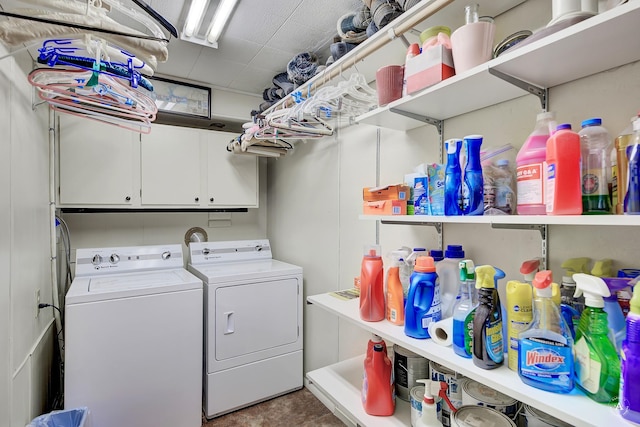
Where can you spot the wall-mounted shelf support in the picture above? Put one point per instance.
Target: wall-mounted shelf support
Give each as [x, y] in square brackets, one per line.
[428, 120]
[436, 225]
[542, 228]
[542, 94]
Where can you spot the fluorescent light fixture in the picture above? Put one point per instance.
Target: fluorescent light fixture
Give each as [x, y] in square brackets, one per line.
[196, 12]
[223, 12]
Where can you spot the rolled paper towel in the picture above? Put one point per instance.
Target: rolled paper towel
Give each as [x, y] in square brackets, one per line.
[441, 332]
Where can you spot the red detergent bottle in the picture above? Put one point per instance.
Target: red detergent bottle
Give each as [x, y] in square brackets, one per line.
[378, 388]
[372, 307]
[564, 190]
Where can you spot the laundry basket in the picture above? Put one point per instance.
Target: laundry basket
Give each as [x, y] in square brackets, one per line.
[78, 417]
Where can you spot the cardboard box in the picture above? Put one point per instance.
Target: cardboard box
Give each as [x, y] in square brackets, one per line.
[390, 192]
[428, 68]
[385, 207]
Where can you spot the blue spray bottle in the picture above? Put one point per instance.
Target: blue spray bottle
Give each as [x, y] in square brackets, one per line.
[473, 184]
[453, 178]
[545, 349]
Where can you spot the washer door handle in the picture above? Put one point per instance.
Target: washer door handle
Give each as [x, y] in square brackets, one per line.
[230, 328]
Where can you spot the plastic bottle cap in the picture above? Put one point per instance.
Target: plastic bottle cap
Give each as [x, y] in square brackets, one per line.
[564, 126]
[454, 251]
[378, 347]
[542, 282]
[436, 254]
[419, 249]
[425, 264]
[596, 121]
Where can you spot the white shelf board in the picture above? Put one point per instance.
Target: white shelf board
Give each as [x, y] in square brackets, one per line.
[342, 382]
[591, 220]
[574, 408]
[597, 44]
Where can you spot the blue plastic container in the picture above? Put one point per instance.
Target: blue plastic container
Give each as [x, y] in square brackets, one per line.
[423, 300]
[78, 417]
[473, 184]
[453, 178]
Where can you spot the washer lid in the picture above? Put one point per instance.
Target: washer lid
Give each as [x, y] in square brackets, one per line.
[247, 270]
[114, 286]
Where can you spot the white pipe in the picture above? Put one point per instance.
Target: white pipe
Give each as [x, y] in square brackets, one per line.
[52, 219]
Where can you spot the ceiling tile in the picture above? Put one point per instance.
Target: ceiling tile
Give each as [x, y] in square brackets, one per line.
[182, 57]
[272, 59]
[215, 71]
[169, 9]
[252, 80]
[247, 24]
[235, 50]
[300, 38]
[317, 11]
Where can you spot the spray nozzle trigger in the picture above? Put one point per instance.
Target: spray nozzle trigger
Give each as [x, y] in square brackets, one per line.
[603, 268]
[529, 269]
[594, 289]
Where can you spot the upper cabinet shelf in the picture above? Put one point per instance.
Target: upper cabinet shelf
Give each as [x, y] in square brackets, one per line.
[597, 44]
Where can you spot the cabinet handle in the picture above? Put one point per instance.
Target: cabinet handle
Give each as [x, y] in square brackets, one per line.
[197, 199]
[211, 199]
[128, 198]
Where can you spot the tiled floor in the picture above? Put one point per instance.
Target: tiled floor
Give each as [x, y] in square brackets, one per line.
[297, 409]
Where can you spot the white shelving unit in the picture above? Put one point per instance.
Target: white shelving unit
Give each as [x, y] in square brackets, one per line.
[597, 44]
[343, 382]
[337, 380]
[591, 220]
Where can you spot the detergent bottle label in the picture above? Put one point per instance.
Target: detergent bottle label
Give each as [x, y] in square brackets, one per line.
[587, 368]
[468, 332]
[493, 340]
[434, 314]
[546, 361]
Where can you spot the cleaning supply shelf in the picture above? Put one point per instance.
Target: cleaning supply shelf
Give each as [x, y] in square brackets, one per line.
[343, 381]
[605, 41]
[590, 220]
[574, 408]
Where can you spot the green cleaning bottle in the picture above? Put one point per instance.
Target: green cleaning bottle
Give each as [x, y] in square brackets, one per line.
[597, 367]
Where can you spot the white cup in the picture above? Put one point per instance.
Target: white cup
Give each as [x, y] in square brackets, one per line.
[472, 45]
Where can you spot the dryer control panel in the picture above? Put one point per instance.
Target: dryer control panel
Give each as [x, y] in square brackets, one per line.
[95, 261]
[230, 251]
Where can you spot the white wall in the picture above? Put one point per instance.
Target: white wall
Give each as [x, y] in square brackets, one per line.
[27, 342]
[316, 193]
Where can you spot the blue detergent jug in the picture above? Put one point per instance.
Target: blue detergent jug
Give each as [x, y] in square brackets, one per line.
[423, 300]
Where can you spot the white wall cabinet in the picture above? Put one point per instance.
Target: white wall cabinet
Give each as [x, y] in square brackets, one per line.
[104, 167]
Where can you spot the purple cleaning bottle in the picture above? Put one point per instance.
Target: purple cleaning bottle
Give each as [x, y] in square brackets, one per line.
[629, 404]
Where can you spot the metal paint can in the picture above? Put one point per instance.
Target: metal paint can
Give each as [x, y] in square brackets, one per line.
[532, 417]
[408, 367]
[475, 393]
[454, 389]
[480, 416]
[416, 396]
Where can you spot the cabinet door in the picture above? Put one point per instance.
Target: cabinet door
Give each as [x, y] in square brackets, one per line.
[97, 163]
[170, 159]
[232, 180]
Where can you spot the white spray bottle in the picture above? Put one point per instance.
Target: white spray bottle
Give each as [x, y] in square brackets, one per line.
[433, 391]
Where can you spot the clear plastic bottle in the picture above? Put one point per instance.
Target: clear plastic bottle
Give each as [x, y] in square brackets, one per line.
[595, 149]
[530, 173]
[619, 171]
[448, 275]
[504, 188]
[464, 310]
[471, 13]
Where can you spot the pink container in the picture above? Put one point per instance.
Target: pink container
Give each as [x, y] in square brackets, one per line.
[389, 83]
[472, 45]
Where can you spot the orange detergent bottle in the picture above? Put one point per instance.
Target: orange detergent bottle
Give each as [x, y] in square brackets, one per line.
[371, 285]
[563, 190]
[395, 293]
[378, 389]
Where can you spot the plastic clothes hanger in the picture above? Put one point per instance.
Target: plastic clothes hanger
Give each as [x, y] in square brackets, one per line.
[155, 15]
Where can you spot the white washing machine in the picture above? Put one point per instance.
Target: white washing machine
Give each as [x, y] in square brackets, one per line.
[133, 339]
[253, 323]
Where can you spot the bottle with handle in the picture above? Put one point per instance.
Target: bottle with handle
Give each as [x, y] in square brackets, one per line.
[423, 300]
[563, 192]
[372, 286]
[378, 395]
[597, 367]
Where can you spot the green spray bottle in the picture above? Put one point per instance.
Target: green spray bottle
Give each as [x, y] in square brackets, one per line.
[597, 367]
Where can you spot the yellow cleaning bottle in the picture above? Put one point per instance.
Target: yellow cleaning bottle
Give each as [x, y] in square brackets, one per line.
[519, 308]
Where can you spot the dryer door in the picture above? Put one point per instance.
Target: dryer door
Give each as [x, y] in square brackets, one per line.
[255, 320]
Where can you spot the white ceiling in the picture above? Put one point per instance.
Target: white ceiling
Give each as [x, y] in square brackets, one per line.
[260, 39]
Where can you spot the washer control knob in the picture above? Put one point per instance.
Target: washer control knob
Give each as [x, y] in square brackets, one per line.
[96, 260]
[114, 258]
[166, 255]
[206, 251]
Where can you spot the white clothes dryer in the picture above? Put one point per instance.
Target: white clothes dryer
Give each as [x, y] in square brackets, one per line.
[253, 323]
[134, 322]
